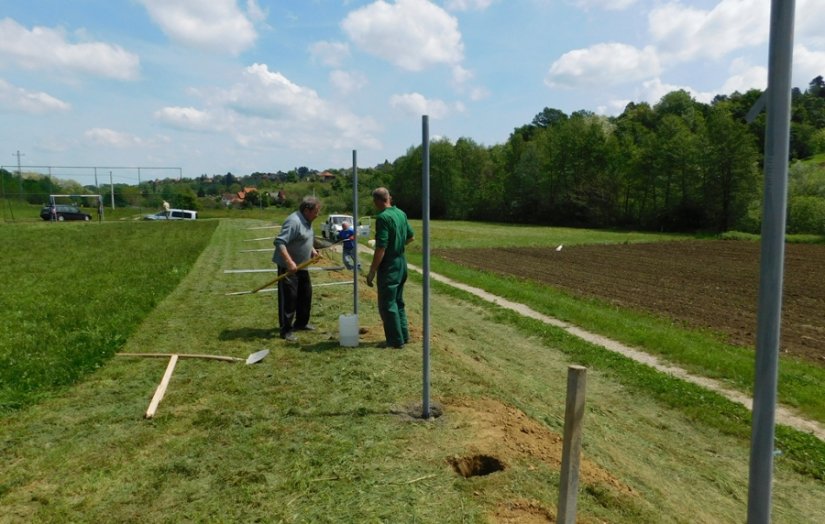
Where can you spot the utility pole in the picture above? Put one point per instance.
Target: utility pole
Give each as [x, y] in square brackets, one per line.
[19, 171]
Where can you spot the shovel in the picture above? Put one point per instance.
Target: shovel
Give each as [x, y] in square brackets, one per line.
[170, 368]
[251, 359]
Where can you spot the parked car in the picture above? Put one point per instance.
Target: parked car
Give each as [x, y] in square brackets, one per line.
[64, 212]
[175, 214]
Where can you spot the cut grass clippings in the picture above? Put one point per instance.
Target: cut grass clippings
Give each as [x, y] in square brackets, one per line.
[74, 292]
[320, 433]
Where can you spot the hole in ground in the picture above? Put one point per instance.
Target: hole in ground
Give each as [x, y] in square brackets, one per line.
[476, 465]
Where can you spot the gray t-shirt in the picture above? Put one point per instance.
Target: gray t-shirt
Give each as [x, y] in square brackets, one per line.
[296, 234]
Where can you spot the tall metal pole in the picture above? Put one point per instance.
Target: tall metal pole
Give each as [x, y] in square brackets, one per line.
[355, 225]
[112, 186]
[140, 195]
[20, 173]
[425, 217]
[96, 184]
[777, 135]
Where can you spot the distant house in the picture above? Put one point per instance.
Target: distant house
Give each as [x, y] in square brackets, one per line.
[233, 199]
[326, 176]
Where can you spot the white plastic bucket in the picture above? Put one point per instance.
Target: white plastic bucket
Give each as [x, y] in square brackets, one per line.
[348, 331]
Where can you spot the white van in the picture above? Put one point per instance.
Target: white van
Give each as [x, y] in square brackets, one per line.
[175, 214]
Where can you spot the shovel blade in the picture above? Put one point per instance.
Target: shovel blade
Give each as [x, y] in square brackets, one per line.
[257, 356]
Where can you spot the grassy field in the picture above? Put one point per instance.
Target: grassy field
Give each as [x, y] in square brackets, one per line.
[76, 291]
[318, 433]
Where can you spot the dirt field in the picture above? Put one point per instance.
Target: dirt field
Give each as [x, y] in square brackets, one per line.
[710, 284]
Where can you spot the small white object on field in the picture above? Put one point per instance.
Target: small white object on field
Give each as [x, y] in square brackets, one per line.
[371, 242]
[559, 248]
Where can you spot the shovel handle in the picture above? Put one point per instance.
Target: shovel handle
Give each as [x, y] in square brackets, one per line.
[300, 266]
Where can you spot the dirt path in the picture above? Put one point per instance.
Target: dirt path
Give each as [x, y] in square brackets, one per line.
[784, 415]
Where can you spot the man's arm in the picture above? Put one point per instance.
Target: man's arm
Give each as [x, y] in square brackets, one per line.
[377, 257]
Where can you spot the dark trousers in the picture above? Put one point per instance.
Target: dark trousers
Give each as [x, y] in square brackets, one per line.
[294, 300]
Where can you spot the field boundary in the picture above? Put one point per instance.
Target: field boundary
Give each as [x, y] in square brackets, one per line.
[784, 414]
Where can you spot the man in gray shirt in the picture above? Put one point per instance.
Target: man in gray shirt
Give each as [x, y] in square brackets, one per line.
[293, 247]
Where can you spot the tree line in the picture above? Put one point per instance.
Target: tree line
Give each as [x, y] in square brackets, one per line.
[678, 165]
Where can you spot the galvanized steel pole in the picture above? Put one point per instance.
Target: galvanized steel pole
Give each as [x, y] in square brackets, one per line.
[777, 135]
[355, 226]
[425, 217]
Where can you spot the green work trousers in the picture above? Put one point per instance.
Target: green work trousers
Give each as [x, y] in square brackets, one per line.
[392, 275]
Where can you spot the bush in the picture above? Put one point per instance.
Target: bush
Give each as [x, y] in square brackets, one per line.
[806, 214]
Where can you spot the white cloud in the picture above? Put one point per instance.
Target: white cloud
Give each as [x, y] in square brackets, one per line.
[412, 34]
[216, 25]
[46, 48]
[479, 93]
[808, 21]
[187, 118]
[17, 99]
[269, 94]
[346, 83]
[265, 109]
[461, 75]
[467, 5]
[613, 107]
[255, 12]
[603, 64]
[653, 90]
[331, 54]
[607, 5]
[686, 33]
[111, 138]
[416, 104]
[744, 77]
[807, 64]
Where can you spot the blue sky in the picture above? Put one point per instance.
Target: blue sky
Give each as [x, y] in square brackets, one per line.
[265, 85]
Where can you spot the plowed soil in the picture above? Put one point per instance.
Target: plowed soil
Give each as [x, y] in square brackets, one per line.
[705, 284]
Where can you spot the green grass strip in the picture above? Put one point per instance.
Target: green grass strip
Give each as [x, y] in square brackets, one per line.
[74, 292]
[700, 352]
[804, 452]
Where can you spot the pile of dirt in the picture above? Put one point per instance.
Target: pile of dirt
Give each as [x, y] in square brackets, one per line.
[497, 431]
[702, 284]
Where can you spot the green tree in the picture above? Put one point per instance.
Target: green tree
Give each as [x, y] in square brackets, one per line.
[731, 164]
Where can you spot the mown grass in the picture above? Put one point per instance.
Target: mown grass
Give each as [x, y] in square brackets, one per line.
[316, 433]
[74, 292]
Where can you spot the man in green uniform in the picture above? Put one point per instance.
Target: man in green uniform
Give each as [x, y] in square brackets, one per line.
[392, 233]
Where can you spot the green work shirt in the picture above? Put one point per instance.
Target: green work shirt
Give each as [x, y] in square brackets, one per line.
[392, 231]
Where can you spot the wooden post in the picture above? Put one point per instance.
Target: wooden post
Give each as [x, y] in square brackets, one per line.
[571, 448]
[164, 383]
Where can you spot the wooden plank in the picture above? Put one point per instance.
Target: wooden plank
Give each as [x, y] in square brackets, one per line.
[164, 383]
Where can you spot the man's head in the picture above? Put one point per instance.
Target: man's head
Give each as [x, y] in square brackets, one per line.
[345, 225]
[310, 207]
[381, 198]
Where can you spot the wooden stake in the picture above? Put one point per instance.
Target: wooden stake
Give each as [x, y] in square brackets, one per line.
[164, 383]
